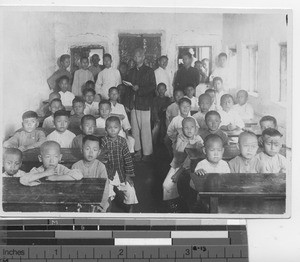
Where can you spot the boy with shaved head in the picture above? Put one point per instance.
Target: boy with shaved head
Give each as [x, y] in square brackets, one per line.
[243, 108]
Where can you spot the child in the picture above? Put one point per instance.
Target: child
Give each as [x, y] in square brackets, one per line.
[50, 157]
[91, 107]
[162, 75]
[54, 106]
[81, 76]
[268, 122]
[61, 135]
[244, 109]
[28, 136]
[44, 111]
[230, 118]
[107, 78]
[213, 120]
[190, 94]
[270, 159]
[246, 162]
[66, 96]
[78, 109]
[173, 109]
[95, 68]
[119, 166]
[212, 94]
[188, 139]
[218, 87]
[204, 103]
[87, 126]
[91, 167]
[158, 112]
[12, 161]
[105, 112]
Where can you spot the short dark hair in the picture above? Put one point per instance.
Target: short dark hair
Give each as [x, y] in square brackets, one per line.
[87, 90]
[268, 118]
[61, 113]
[163, 56]
[242, 90]
[86, 118]
[107, 55]
[63, 78]
[113, 88]
[90, 138]
[205, 95]
[222, 54]
[189, 119]
[113, 119]
[212, 137]
[224, 97]
[217, 78]
[29, 114]
[123, 63]
[77, 99]
[212, 113]
[104, 102]
[161, 84]
[271, 132]
[176, 91]
[198, 62]
[210, 90]
[84, 57]
[64, 57]
[94, 55]
[184, 100]
[49, 143]
[188, 54]
[13, 151]
[55, 100]
[90, 82]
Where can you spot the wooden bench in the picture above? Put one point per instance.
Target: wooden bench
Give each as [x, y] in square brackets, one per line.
[53, 196]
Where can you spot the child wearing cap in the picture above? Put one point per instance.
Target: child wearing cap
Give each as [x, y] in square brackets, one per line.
[44, 110]
[28, 136]
[61, 135]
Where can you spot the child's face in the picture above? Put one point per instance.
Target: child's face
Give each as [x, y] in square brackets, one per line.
[272, 145]
[107, 62]
[189, 129]
[161, 90]
[61, 123]
[204, 104]
[214, 151]
[190, 91]
[66, 63]
[113, 129]
[114, 95]
[213, 123]
[90, 150]
[218, 85]
[88, 127]
[78, 108]
[95, 60]
[186, 60]
[50, 157]
[12, 163]
[248, 146]
[104, 110]
[185, 109]
[85, 64]
[212, 95]
[163, 62]
[227, 104]
[267, 124]
[30, 124]
[198, 66]
[178, 96]
[55, 106]
[64, 85]
[241, 98]
[89, 97]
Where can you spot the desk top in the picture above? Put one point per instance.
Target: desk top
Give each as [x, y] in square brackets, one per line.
[240, 184]
[100, 132]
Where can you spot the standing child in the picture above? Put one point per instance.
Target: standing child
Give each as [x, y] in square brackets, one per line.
[190, 94]
[95, 68]
[81, 76]
[61, 135]
[271, 161]
[107, 78]
[119, 166]
[54, 106]
[28, 136]
[244, 109]
[212, 93]
[91, 167]
[173, 109]
[78, 108]
[218, 87]
[66, 96]
[204, 103]
[162, 75]
[91, 106]
[246, 162]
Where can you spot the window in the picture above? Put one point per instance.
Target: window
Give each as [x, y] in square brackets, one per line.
[283, 73]
[252, 68]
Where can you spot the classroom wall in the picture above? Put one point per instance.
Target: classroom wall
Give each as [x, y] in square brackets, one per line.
[29, 59]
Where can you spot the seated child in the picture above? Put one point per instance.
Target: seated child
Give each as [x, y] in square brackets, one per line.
[229, 117]
[246, 162]
[78, 108]
[244, 109]
[91, 107]
[271, 161]
[158, 112]
[91, 84]
[214, 150]
[12, 161]
[119, 166]
[204, 103]
[87, 126]
[188, 139]
[54, 106]
[66, 96]
[50, 157]
[190, 94]
[212, 94]
[218, 87]
[105, 112]
[61, 135]
[266, 122]
[44, 111]
[173, 109]
[91, 167]
[213, 120]
[28, 136]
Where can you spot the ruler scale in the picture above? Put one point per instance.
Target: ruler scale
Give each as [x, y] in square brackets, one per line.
[75, 240]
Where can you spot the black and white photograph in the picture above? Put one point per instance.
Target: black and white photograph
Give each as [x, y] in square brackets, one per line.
[146, 112]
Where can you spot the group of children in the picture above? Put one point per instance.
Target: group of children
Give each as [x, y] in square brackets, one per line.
[189, 122]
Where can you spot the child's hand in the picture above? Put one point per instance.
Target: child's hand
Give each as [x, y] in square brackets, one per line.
[128, 180]
[51, 172]
[200, 172]
[52, 178]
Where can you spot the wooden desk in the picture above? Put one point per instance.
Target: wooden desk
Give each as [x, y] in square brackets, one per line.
[50, 196]
[257, 187]
[100, 132]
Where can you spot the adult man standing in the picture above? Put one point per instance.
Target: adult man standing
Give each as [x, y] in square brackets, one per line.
[141, 96]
